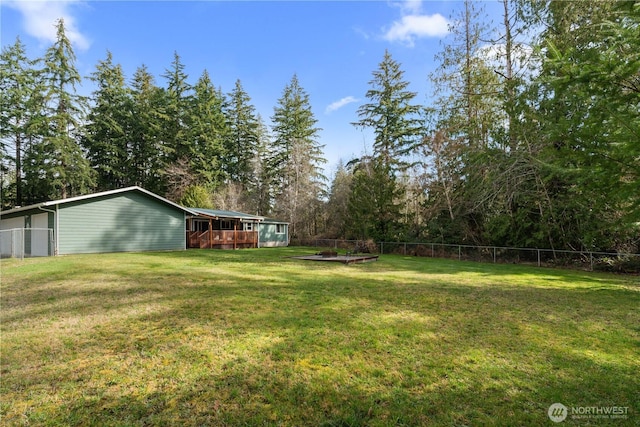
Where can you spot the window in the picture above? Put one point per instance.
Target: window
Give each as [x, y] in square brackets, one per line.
[199, 225]
[280, 228]
[247, 226]
[226, 224]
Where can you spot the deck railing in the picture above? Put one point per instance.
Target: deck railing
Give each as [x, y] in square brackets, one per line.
[222, 239]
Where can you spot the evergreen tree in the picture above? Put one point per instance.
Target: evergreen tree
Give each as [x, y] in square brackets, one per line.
[207, 132]
[398, 129]
[243, 140]
[588, 94]
[146, 151]
[56, 166]
[373, 211]
[20, 117]
[390, 113]
[297, 158]
[176, 112]
[106, 135]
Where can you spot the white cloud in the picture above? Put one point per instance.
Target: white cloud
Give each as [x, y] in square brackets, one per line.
[411, 27]
[39, 20]
[408, 7]
[339, 104]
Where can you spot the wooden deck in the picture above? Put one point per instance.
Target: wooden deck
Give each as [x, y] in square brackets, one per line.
[222, 239]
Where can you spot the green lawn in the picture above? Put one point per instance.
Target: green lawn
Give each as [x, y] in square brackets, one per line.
[252, 337]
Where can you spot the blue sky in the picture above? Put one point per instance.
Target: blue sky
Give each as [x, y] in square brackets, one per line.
[332, 46]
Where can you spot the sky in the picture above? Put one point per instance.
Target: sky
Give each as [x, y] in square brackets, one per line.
[332, 46]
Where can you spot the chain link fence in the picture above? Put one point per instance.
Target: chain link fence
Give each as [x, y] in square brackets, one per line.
[26, 242]
[600, 261]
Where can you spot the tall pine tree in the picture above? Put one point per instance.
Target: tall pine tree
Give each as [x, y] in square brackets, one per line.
[207, 132]
[398, 130]
[145, 147]
[176, 112]
[21, 119]
[106, 135]
[390, 113]
[243, 140]
[297, 158]
[56, 166]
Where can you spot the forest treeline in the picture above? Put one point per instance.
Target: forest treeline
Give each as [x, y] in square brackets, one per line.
[530, 139]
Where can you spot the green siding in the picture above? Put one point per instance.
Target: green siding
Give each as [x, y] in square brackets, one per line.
[269, 237]
[130, 221]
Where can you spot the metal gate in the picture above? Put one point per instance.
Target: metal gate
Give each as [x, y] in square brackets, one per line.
[26, 242]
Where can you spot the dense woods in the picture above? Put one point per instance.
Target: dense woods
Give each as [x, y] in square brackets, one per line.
[530, 139]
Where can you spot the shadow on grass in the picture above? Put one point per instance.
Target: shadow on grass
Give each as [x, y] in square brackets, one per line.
[336, 371]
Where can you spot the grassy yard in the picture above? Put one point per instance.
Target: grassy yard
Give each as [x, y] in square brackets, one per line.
[253, 337]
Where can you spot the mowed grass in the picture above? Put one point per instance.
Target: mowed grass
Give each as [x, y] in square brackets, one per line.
[253, 337]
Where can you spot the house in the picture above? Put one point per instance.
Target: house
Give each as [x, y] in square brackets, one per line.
[130, 219]
[127, 219]
[222, 229]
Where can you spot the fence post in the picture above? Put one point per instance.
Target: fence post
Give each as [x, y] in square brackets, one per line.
[459, 253]
[494, 255]
[405, 249]
[381, 248]
[538, 257]
[591, 260]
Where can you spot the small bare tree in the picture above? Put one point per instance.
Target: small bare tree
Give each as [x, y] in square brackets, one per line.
[179, 177]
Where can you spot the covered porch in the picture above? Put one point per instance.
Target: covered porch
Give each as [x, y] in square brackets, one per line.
[214, 229]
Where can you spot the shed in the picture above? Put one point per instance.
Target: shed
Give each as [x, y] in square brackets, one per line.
[123, 220]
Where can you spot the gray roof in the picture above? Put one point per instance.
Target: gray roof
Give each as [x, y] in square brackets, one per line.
[274, 221]
[218, 213]
[94, 195]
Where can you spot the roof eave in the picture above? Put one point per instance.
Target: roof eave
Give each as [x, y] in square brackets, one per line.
[94, 195]
[22, 208]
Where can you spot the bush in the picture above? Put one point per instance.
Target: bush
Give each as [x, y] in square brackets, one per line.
[626, 264]
[196, 196]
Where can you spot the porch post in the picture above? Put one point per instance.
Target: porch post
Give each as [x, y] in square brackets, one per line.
[188, 233]
[235, 235]
[210, 233]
